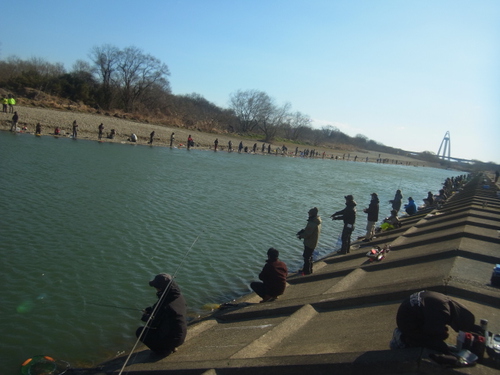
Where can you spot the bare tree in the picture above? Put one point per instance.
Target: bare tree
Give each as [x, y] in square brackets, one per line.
[296, 124]
[250, 107]
[137, 72]
[272, 119]
[105, 59]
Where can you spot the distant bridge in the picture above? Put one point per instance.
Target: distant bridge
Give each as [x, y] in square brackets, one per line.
[446, 142]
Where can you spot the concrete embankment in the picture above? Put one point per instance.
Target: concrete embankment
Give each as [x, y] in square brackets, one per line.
[340, 319]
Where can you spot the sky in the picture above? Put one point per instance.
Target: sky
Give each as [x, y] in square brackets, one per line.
[400, 72]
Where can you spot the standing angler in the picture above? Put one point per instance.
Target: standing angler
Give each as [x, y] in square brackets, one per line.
[372, 212]
[310, 234]
[396, 202]
[348, 214]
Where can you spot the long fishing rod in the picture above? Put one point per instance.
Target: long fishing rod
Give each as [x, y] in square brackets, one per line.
[113, 306]
[46, 360]
[158, 303]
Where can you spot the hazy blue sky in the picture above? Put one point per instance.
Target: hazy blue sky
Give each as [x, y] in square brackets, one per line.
[401, 72]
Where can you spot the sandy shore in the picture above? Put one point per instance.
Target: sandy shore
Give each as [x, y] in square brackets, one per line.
[88, 129]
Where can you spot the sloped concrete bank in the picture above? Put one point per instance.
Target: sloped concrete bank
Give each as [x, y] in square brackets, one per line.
[341, 318]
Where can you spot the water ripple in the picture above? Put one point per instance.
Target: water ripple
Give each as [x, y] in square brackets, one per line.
[87, 224]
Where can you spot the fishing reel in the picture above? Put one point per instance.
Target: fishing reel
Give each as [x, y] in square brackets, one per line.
[300, 233]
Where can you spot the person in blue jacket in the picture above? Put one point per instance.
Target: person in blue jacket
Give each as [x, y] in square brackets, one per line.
[411, 207]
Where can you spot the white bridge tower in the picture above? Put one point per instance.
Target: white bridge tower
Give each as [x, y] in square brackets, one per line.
[447, 147]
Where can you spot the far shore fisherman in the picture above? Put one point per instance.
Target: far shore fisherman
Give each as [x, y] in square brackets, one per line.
[151, 137]
[75, 129]
[15, 119]
[100, 129]
[273, 277]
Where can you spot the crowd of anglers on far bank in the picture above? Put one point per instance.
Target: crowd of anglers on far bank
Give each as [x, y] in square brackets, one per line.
[166, 325]
[241, 148]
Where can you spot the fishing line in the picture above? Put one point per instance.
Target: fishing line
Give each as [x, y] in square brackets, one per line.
[113, 306]
[160, 300]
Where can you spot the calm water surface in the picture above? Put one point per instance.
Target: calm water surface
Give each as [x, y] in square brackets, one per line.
[85, 224]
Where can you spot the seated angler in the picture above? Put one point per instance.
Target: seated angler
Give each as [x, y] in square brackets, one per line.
[273, 277]
[166, 326]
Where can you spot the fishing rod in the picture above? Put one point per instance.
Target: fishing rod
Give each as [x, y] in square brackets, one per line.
[159, 303]
[113, 306]
[63, 367]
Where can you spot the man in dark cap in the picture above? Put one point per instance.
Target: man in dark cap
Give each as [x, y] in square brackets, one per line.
[348, 215]
[372, 219]
[310, 234]
[423, 318]
[166, 325]
[273, 277]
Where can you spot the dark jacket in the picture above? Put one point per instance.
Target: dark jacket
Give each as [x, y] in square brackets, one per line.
[423, 318]
[348, 213]
[396, 202]
[169, 320]
[372, 210]
[273, 275]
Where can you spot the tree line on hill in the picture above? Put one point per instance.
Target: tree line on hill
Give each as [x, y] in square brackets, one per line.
[134, 82]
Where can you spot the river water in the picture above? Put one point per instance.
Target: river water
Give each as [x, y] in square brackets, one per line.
[85, 225]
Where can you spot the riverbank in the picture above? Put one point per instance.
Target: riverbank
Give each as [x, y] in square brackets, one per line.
[88, 124]
[341, 318]
[124, 213]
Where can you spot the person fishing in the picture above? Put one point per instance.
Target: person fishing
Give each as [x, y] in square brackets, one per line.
[273, 277]
[372, 212]
[411, 207]
[397, 201]
[348, 215]
[166, 326]
[310, 234]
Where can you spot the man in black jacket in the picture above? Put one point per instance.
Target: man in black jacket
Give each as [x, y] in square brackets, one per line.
[166, 325]
[348, 215]
[423, 318]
